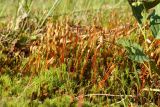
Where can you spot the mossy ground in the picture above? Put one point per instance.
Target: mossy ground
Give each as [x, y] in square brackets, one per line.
[74, 58]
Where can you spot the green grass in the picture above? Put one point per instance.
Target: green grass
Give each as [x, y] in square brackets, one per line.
[76, 53]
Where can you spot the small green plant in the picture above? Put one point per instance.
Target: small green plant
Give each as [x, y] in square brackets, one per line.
[134, 50]
[140, 8]
[155, 22]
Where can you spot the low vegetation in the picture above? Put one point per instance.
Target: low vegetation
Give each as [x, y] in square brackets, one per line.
[60, 53]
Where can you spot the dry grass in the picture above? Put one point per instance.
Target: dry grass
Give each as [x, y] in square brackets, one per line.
[99, 66]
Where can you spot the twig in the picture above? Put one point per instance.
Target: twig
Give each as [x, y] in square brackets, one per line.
[111, 95]
[150, 89]
[108, 95]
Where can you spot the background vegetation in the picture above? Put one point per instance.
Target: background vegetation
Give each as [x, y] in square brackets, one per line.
[76, 53]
